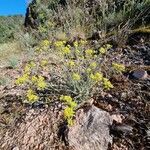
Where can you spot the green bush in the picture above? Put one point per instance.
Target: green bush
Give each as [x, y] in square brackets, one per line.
[9, 26]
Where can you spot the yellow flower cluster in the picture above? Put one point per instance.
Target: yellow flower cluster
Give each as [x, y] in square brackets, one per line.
[83, 42]
[69, 101]
[42, 29]
[39, 82]
[25, 77]
[89, 52]
[76, 76]
[50, 24]
[71, 63]
[80, 43]
[22, 80]
[66, 50]
[32, 97]
[44, 63]
[69, 111]
[88, 70]
[118, 67]
[108, 46]
[96, 77]
[27, 69]
[32, 64]
[75, 44]
[68, 115]
[107, 84]
[59, 44]
[93, 65]
[43, 46]
[45, 43]
[104, 49]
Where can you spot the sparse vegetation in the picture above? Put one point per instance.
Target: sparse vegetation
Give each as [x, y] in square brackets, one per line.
[9, 27]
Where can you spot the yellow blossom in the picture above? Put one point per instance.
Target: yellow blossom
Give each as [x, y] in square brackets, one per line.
[44, 63]
[32, 97]
[32, 64]
[41, 84]
[75, 44]
[89, 52]
[65, 98]
[68, 115]
[77, 51]
[45, 43]
[59, 44]
[69, 101]
[50, 24]
[96, 77]
[38, 49]
[71, 63]
[93, 65]
[108, 46]
[68, 112]
[88, 70]
[102, 50]
[27, 69]
[76, 77]
[22, 80]
[118, 67]
[83, 42]
[107, 84]
[66, 50]
[34, 79]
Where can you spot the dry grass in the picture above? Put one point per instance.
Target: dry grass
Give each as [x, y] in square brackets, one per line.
[9, 51]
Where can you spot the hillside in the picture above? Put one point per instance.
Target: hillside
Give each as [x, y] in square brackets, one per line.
[75, 75]
[9, 26]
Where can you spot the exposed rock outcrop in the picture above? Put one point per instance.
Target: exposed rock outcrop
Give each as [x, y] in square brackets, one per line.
[38, 130]
[91, 131]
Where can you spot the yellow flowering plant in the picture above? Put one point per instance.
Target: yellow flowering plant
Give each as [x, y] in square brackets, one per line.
[82, 71]
[31, 81]
[32, 96]
[118, 67]
[69, 111]
[77, 78]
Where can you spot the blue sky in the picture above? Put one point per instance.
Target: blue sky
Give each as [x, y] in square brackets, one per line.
[12, 7]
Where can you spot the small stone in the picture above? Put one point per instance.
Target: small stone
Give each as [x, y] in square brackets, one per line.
[15, 148]
[140, 74]
[109, 96]
[123, 95]
[117, 117]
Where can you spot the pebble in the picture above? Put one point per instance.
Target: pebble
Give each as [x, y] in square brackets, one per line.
[15, 148]
[140, 74]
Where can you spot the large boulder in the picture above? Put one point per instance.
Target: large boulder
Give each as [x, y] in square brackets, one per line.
[91, 131]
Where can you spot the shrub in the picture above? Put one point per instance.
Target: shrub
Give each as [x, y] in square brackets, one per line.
[79, 76]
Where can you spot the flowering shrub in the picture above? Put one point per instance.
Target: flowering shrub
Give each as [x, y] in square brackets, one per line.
[78, 77]
[32, 81]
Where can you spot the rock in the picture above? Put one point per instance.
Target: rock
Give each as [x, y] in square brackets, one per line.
[15, 148]
[37, 131]
[140, 74]
[123, 129]
[91, 130]
[117, 117]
